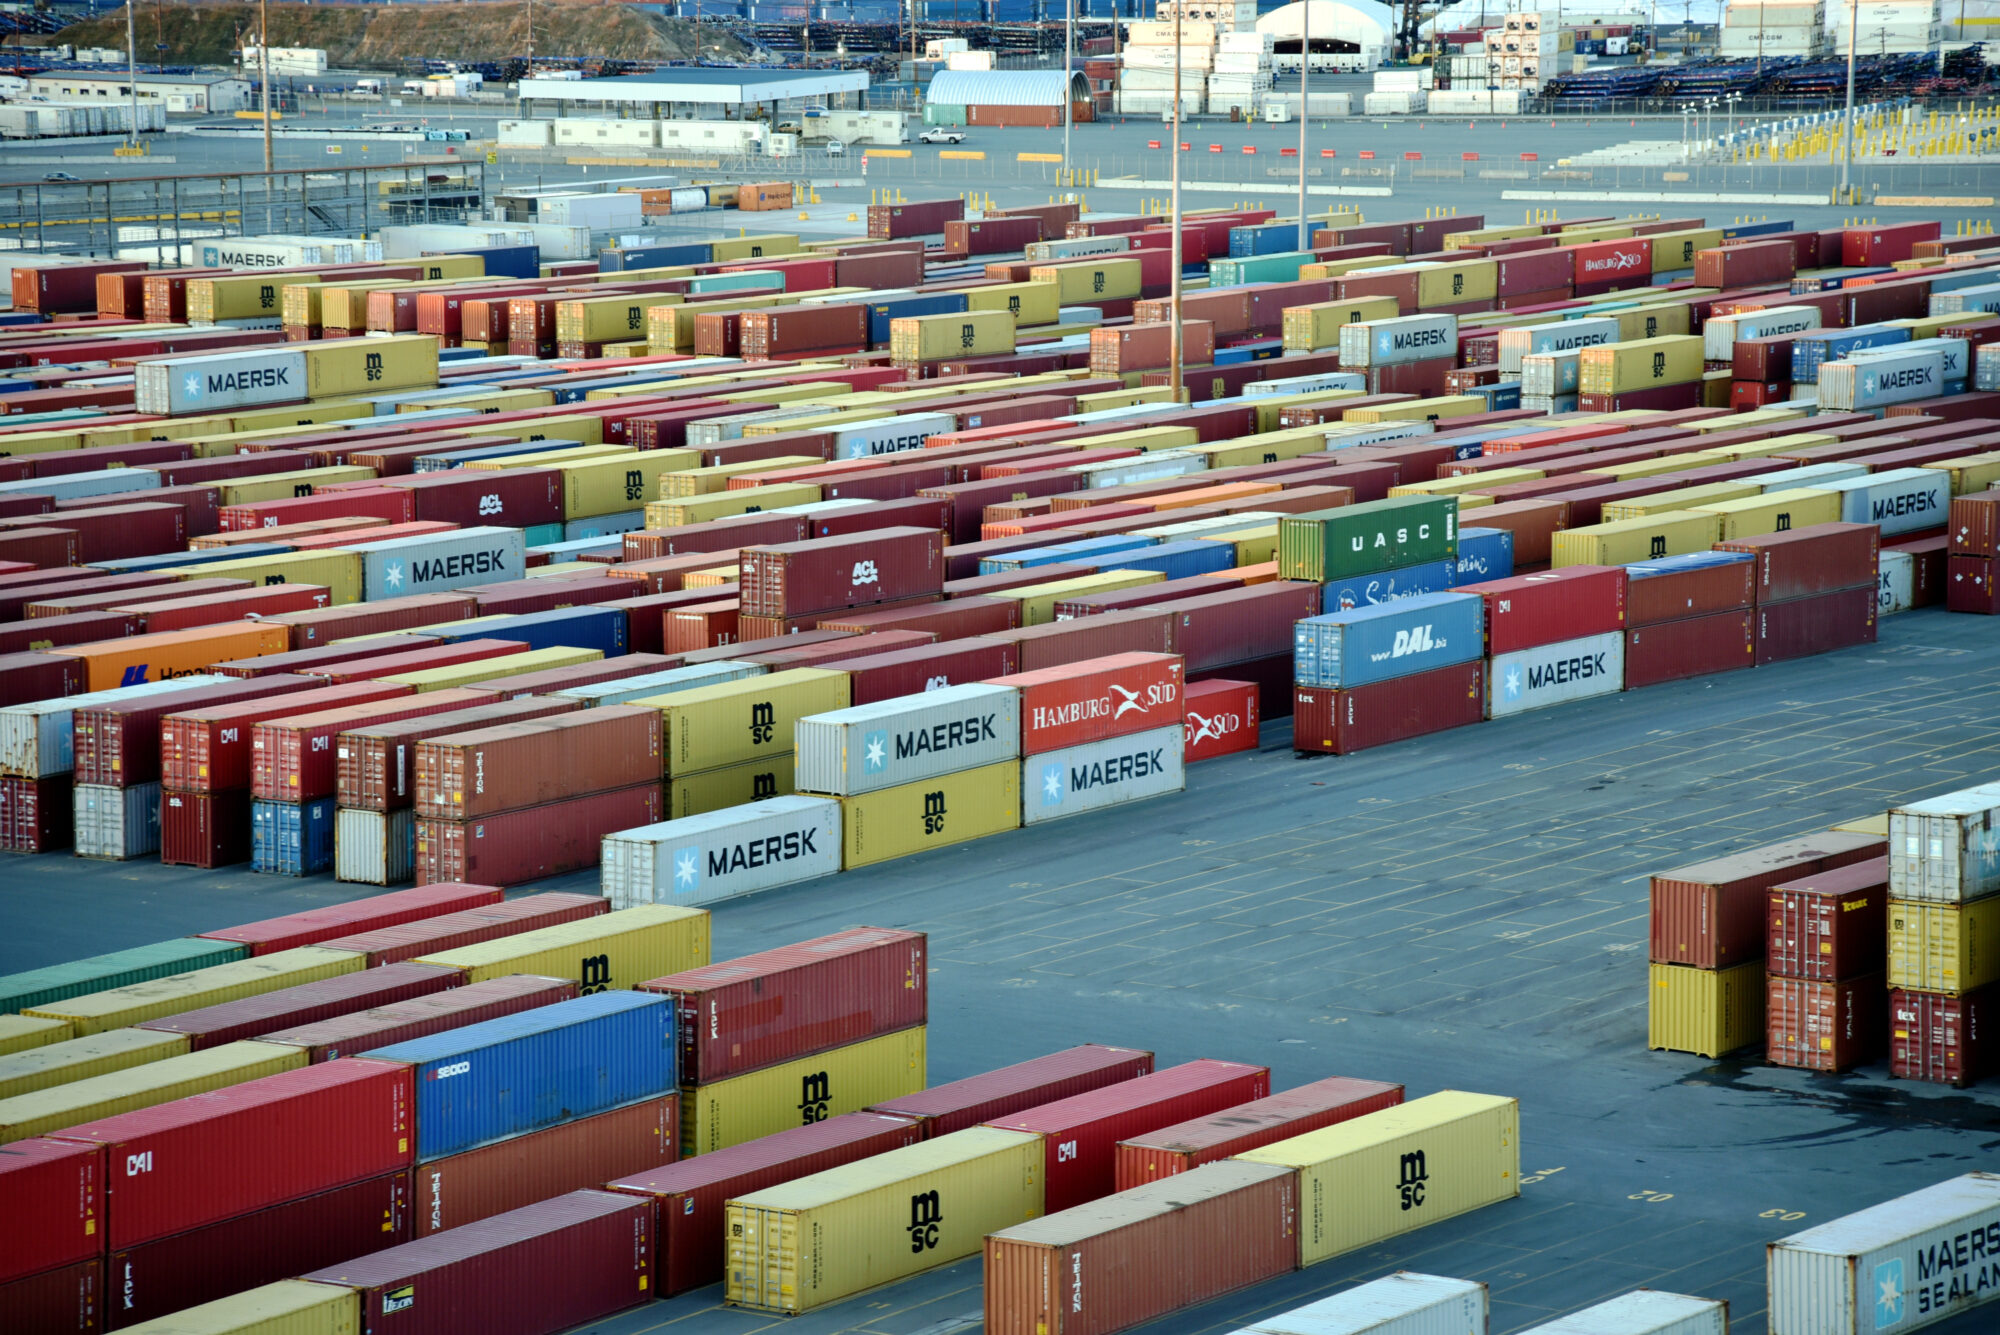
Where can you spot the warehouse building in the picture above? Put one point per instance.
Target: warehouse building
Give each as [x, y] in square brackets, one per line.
[690, 93]
[1345, 34]
[192, 93]
[1006, 97]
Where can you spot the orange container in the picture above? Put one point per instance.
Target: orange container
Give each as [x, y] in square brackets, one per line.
[758, 198]
[416, 528]
[174, 653]
[1228, 491]
[1265, 572]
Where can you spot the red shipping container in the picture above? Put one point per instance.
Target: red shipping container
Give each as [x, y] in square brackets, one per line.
[55, 1206]
[213, 1156]
[1974, 527]
[952, 619]
[1817, 625]
[391, 505]
[159, 1278]
[1928, 567]
[37, 815]
[204, 829]
[463, 1189]
[1535, 271]
[41, 546]
[1746, 264]
[792, 1001]
[502, 767]
[1831, 925]
[312, 630]
[25, 678]
[547, 593]
[1824, 1026]
[65, 600]
[1605, 266]
[912, 512]
[293, 757]
[691, 1194]
[1063, 644]
[289, 1007]
[876, 677]
[1690, 647]
[825, 654]
[550, 680]
[546, 1267]
[433, 655]
[1144, 595]
[793, 579]
[1817, 559]
[364, 1031]
[231, 467]
[751, 648]
[1339, 722]
[515, 498]
[310, 927]
[1525, 611]
[1863, 247]
[1186, 1146]
[230, 605]
[1939, 1038]
[1221, 718]
[701, 626]
[314, 663]
[1697, 592]
[1712, 914]
[1970, 585]
[68, 1301]
[119, 744]
[1081, 1133]
[521, 846]
[1236, 625]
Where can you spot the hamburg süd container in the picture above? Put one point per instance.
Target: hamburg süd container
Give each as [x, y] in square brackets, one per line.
[717, 855]
[402, 1021]
[965, 1103]
[1708, 1012]
[1097, 699]
[55, 1194]
[120, 968]
[217, 983]
[468, 927]
[289, 1007]
[1187, 1145]
[1376, 643]
[55, 1107]
[1375, 1177]
[505, 767]
[850, 1078]
[930, 813]
[867, 747]
[613, 951]
[1552, 674]
[1100, 774]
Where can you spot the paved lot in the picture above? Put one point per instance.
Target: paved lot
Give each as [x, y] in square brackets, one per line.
[1462, 911]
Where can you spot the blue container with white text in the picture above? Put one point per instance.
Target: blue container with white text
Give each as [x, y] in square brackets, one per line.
[1388, 586]
[1369, 644]
[1484, 553]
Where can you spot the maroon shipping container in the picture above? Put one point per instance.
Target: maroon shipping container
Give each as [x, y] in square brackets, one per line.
[377, 765]
[951, 619]
[65, 1301]
[825, 574]
[209, 749]
[522, 846]
[981, 586]
[1143, 1254]
[1059, 644]
[293, 759]
[159, 1278]
[465, 1188]
[1098, 699]
[436, 654]
[314, 662]
[1974, 526]
[511, 766]
[206, 1158]
[876, 677]
[119, 744]
[289, 1007]
[25, 678]
[1929, 566]
[716, 535]
[1824, 1026]
[41, 546]
[1339, 722]
[1690, 647]
[551, 680]
[53, 632]
[1864, 247]
[1145, 595]
[67, 600]
[37, 815]
[833, 651]
[1697, 592]
[980, 1099]
[1713, 914]
[1830, 925]
[1745, 264]
[1081, 1133]
[1818, 625]
[310, 927]
[1236, 625]
[198, 503]
[55, 1201]
[45, 585]
[546, 594]
[1972, 584]
[1186, 1146]
[1525, 611]
[364, 1031]
[1938, 1038]
[316, 629]
[913, 512]
[1802, 562]
[794, 331]
[208, 829]
[545, 1267]
[701, 626]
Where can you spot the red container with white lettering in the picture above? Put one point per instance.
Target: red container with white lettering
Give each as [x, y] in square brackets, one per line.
[207, 749]
[1606, 266]
[827, 574]
[1097, 698]
[1221, 718]
[1551, 606]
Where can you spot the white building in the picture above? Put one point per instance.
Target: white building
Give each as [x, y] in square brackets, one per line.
[196, 94]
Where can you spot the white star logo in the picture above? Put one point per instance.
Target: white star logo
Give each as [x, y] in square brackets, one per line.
[876, 751]
[1513, 682]
[1868, 384]
[392, 575]
[1052, 785]
[687, 869]
[192, 385]
[1889, 1293]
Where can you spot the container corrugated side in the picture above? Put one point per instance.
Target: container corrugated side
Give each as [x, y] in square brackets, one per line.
[55, 1195]
[931, 813]
[374, 847]
[616, 950]
[468, 927]
[966, 1103]
[149, 1000]
[420, 1017]
[288, 1007]
[23, 1033]
[1405, 1303]
[38, 739]
[722, 854]
[288, 1307]
[800, 1092]
[1644, 1312]
[712, 726]
[1943, 947]
[94, 1098]
[83, 1058]
[1102, 774]
[119, 968]
[1705, 1011]
[1248, 1126]
[117, 824]
[869, 747]
[1552, 674]
[1946, 849]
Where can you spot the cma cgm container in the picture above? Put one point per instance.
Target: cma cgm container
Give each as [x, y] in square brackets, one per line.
[1187, 1145]
[402, 1021]
[718, 855]
[503, 1077]
[965, 1103]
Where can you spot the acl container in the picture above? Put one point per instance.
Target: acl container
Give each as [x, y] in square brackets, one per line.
[1399, 1169]
[612, 951]
[718, 855]
[1187, 1145]
[1143, 1253]
[763, 1102]
[808, 1242]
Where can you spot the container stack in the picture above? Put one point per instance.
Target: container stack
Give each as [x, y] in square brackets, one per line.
[1891, 27]
[1816, 582]
[1772, 29]
[1146, 77]
[1398, 92]
[1553, 637]
[1658, 373]
[1943, 876]
[1974, 553]
[1241, 81]
[1100, 733]
[1824, 1008]
[1689, 615]
[1534, 47]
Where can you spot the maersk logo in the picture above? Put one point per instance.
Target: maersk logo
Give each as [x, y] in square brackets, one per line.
[1415, 338]
[392, 575]
[687, 870]
[191, 386]
[1888, 1293]
[1916, 502]
[1052, 785]
[263, 377]
[787, 847]
[947, 736]
[1910, 377]
[459, 564]
[875, 751]
[1563, 671]
[1119, 769]
[1567, 342]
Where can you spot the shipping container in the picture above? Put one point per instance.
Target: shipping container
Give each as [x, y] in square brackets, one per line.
[1951, 948]
[757, 1103]
[37, 739]
[97, 973]
[1407, 1303]
[518, 846]
[55, 1194]
[1711, 914]
[510, 766]
[450, 931]
[1816, 625]
[359, 1031]
[616, 950]
[314, 926]
[930, 813]
[1184, 1146]
[295, 758]
[286, 1008]
[116, 824]
[1553, 674]
[869, 747]
[1388, 640]
[712, 726]
[378, 764]
[966, 1103]
[1692, 585]
[23, 1033]
[1940, 1038]
[1708, 1012]
[1357, 539]
[116, 1007]
[119, 744]
[703, 858]
[1104, 773]
[287, 1307]
[1943, 849]
[1831, 925]
[1824, 1025]
[1644, 1312]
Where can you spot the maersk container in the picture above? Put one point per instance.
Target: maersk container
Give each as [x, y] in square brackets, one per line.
[219, 382]
[1388, 586]
[1369, 644]
[687, 678]
[1102, 774]
[739, 850]
[117, 823]
[1721, 333]
[1974, 299]
[1539, 340]
[38, 739]
[1407, 338]
[1644, 1312]
[440, 562]
[1900, 500]
[599, 628]
[500, 1078]
[292, 838]
[890, 435]
[866, 747]
[1553, 674]
[1878, 379]
[1899, 1266]
[1405, 1303]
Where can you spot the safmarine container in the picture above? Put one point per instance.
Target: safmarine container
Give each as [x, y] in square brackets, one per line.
[616, 950]
[1399, 1169]
[1101, 774]
[718, 855]
[746, 1107]
[506, 1076]
[440, 562]
[116, 1007]
[1945, 849]
[381, 1026]
[805, 1243]
[1388, 640]
[1143, 1253]
[386, 945]
[254, 1017]
[1644, 1312]
[37, 739]
[1552, 674]
[1357, 539]
[930, 813]
[868, 747]
[1405, 1303]
[312, 926]
[1246, 1126]
[119, 968]
[1893, 1266]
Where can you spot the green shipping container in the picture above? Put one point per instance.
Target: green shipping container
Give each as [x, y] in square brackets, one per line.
[1362, 539]
[943, 113]
[120, 968]
[1280, 268]
[750, 280]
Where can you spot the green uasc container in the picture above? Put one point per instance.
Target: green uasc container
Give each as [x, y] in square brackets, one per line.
[1359, 539]
[120, 968]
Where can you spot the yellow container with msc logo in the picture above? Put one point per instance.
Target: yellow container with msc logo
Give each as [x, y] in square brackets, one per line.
[339, 573]
[799, 1093]
[761, 247]
[731, 786]
[1031, 303]
[738, 721]
[1646, 538]
[1084, 281]
[930, 338]
[376, 365]
[820, 1238]
[240, 296]
[896, 822]
[1620, 368]
[715, 477]
[607, 486]
[1368, 1180]
[1775, 512]
[599, 319]
[614, 951]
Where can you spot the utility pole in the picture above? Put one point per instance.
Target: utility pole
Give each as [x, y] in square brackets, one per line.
[1305, 114]
[1174, 373]
[1847, 121]
[1069, 47]
[132, 64]
[264, 58]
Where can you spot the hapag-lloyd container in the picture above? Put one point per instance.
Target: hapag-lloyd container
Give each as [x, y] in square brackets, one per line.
[1143, 1253]
[466, 775]
[1644, 1312]
[1711, 914]
[313, 926]
[1187, 1145]
[1097, 699]
[378, 764]
[1540, 340]
[1387, 640]
[1893, 1266]
[1093, 775]
[55, 1206]
[1946, 849]
[289, 1007]
[1407, 338]
[1830, 925]
[38, 739]
[452, 931]
[1899, 500]
[1527, 611]
[440, 562]
[721, 854]
[866, 747]
[1405, 1303]
[1551, 674]
[1222, 717]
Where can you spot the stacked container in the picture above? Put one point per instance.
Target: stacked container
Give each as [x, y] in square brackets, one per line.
[1944, 924]
[1687, 616]
[1816, 586]
[1824, 1007]
[1553, 637]
[1974, 553]
[1374, 674]
[1099, 733]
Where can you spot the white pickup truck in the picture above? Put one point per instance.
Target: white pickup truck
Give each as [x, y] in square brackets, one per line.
[938, 134]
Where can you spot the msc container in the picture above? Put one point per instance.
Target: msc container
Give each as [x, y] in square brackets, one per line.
[1101, 774]
[287, 1307]
[1711, 913]
[200, 1160]
[1708, 1012]
[119, 968]
[749, 1106]
[387, 945]
[1387, 640]
[440, 562]
[898, 741]
[1892, 1265]
[314, 926]
[1552, 674]
[832, 574]
[739, 850]
[545, 1267]
[55, 1194]
[491, 770]
[1143, 1253]
[1831, 925]
[805, 1243]
[1940, 1038]
[1370, 1179]
[930, 813]
[517, 846]
[1097, 699]
[617, 950]
[1357, 539]
[1944, 849]
[117, 823]
[1187, 1145]
[120, 1006]
[38, 739]
[1951, 948]
[712, 726]
[254, 1017]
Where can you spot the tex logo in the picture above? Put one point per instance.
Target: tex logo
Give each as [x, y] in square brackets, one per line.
[192, 386]
[1888, 1293]
[687, 870]
[392, 575]
[1052, 785]
[875, 752]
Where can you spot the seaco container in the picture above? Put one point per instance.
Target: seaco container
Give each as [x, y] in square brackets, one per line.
[312, 926]
[1094, 775]
[866, 747]
[615, 951]
[1643, 1312]
[288, 1007]
[1896, 1265]
[1143, 1253]
[55, 1196]
[546, 1267]
[506, 767]
[718, 855]
[116, 1007]
[805, 1243]
[742, 1108]
[1364, 645]
[1081, 1134]
[468, 927]
[1187, 1145]
[1096, 699]
[502, 1077]
[944, 1109]
[1399, 1169]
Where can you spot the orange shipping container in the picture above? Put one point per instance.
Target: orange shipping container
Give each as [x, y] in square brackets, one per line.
[757, 198]
[175, 653]
[1264, 572]
[1228, 491]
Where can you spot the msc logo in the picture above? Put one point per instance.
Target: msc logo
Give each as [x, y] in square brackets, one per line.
[1784, 522]
[934, 813]
[1014, 303]
[1658, 547]
[635, 485]
[1652, 326]
[814, 1094]
[594, 975]
[925, 1217]
[374, 366]
[865, 573]
[267, 296]
[1414, 1177]
[967, 339]
[1458, 285]
[763, 722]
[1659, 364]
[763, 786]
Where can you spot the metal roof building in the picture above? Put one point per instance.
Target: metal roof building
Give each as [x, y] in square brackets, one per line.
[1005, 97]
[730, 86]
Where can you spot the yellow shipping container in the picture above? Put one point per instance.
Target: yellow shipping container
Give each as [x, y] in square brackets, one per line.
[1638, 468]
[594, 487]
[1030, 303]
[82, 1058]
[1762, 449]
[1335, 268]
[738, 721]
[1624, 541]
[896, 822]
[1481, 235]
[95, 1012]
[1454, 284]
[1877, 825]
[339, 573]
[175, 653]
[239, 296]
[487, 669]
[1471, 501]
[1674, 251]
[731, 786]
[1708, 1012]
[1974, 472]
[1770, 416]
[1579, 233]
[802, 1092]
[1775, 511]
[546, 458]
[483, 401]
[1421, 410]
[1451, 486]
[763, 246]
[1276, 447]
[582, 428]
[1268, 407]
[58, 1106]
[819, 1238]
[703, 481]
[612, 952]
[277, 420]
[1107, 399]
[1253, 546]
[288, 1307]
[601, 319]
[1635, 364]
[722, 504]
[1687, 498]
[1930, 326]
[286, 486]
[1944, 947]
[1655, 321]
[1370, 1179]
[303, 303]
[1081, 282]
[930, 338]
[25, 1033]
[1145, 439]
[670, 324]
[709, 578]
[1038, 601]
[559, 569]
[1313, 327]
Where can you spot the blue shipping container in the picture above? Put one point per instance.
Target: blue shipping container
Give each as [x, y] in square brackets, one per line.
[450, 459]
[1371, 644]
[544, 535]
[890, 308]
[292, 838]
[600, 628]
[500, 1078]
[1815, 347]
[1262, 350]
[1178, 560]
[1499, 398]
[1756, 229]
[1388, 586]
[1673, 565]
[1083, 549]
[1484, 553]
[654, 257]
[1270, 238]
[504, 261]
[604, 526]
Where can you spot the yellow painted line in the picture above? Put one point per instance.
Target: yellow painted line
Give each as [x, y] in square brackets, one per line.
[1038, 157]
[973, 155]
[886, 153]
[1936, 201]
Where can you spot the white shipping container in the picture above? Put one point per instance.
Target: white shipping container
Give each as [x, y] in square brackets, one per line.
[1554, 674]
[1405, 338]
[1812, 475]
[408, 243]
[374, 847]
[1563, 337]
[1720, 334]
[1900, 500]
[714, 430]
[1897, 376]
[1895, 579]
[1405, 1303]
[117, 823]
[1389, 104]
[37, 739]
[1946, 849]
[100, 483]
[1102, 774]
[531, 134]
[436, 562]
[1957, 353]
[1551, 374]
[1145, 468]
[1340, 437]
[1306, 384]
[890, 435]
[598, 212]
[1644, 1312]
[558, 241]
[850, 751]
[1899, 1266]
[647, 684]
[722, 854]
[218, 382]
[1045, 252]
[1982, 297]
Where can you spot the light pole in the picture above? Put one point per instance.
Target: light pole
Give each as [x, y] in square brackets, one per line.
[264, 59]
[1174, 336]
[132, 65]
[1069, 45]
[1847, 120]
[1305, 114]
